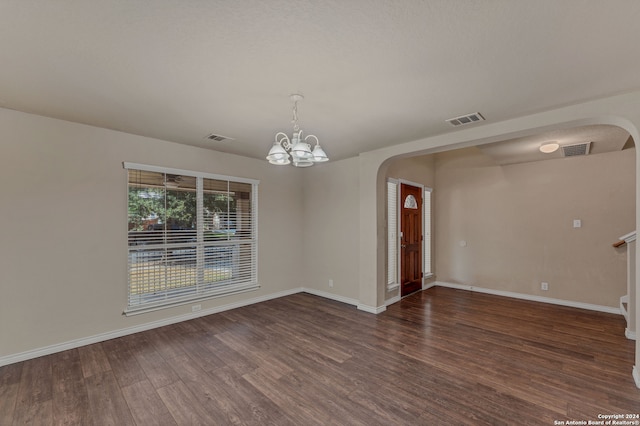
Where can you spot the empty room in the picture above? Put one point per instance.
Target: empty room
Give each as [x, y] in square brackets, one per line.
[299, 213]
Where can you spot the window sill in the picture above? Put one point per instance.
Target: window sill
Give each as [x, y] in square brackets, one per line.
[220, 292]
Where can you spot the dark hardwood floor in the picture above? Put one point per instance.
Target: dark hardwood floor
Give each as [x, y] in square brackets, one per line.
[438, 357]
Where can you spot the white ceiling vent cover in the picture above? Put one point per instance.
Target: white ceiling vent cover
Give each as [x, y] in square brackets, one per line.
[575, 150]
[465, 119]
[218, 138]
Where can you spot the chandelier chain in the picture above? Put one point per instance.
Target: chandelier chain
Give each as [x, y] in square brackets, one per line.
[295, 117]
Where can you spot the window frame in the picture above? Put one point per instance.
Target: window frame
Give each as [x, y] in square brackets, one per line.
[427, 220]
[246, 258]
[393, 232]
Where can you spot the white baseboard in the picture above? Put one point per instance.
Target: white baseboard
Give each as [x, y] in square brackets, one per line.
[331, 296]
[631, 335]
[72, 344]
[372, 309]
[393, 300]
[533, 298]
[76, 343]
[428, 286]
[636, 376]
[347, 300]
[397, 297]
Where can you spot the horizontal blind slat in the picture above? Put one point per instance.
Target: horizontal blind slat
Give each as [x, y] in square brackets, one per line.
[170, 261]
[392, 229]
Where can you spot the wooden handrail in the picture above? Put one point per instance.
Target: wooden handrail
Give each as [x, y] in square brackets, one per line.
[619, 243]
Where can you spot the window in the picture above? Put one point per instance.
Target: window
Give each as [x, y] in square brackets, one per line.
[392, 234]
[190, 236]
[426, 205]
[410, 202]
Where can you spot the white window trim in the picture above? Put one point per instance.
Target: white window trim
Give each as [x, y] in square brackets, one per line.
[224, 290]
[393, 284]
[428, 240]
[171, 171]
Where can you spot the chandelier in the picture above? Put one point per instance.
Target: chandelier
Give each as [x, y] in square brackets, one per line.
[297, 150]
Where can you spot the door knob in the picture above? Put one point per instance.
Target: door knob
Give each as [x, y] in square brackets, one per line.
[403, 245]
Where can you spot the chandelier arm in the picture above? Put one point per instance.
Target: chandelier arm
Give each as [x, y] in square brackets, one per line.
[312, 136]
[283, 140]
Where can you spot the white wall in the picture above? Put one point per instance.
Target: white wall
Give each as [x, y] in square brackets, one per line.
[63, 246]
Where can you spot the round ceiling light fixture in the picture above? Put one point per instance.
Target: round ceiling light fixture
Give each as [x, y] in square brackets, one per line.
[549, 147]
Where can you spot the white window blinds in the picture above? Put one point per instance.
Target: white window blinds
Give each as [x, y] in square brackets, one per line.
[392, 232]
[427, 268]
[190, 236]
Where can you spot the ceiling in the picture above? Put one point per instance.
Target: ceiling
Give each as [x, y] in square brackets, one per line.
[374, 73]
[599, 138]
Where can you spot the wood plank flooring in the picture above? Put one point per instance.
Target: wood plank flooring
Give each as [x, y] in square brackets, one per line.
[438, 357]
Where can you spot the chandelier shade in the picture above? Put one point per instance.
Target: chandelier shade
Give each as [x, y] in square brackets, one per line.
[278, 155]
[319, 155]
[296, 150]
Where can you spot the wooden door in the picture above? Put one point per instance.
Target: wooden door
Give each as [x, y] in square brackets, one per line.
[411, 241]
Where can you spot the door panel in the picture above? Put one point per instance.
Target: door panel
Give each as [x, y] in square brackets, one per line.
[411, 241]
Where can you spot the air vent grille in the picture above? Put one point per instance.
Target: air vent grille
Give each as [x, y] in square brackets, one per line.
[218, 138]
[576, 149]
[465, 119]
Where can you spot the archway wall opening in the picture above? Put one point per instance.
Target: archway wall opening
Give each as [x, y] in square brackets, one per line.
[622, 111]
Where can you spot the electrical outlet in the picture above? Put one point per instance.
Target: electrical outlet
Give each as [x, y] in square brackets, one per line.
[544, 286]
[196, 308]
[330, 283]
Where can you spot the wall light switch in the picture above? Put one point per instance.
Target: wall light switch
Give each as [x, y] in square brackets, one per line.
[577, 223]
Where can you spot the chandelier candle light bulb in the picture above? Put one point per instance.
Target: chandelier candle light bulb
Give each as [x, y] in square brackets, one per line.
[300, 149]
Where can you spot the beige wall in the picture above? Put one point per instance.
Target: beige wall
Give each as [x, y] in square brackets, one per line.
[419, 169]
[622, 110]
[64, 278]
[63, 249]
[517, 221]
[330, 239]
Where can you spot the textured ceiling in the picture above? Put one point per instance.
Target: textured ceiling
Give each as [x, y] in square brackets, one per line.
[374, 73]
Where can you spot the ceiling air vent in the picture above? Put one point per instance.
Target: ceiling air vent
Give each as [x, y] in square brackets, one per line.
[577, 149]
[218, 138]
[465, 119]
